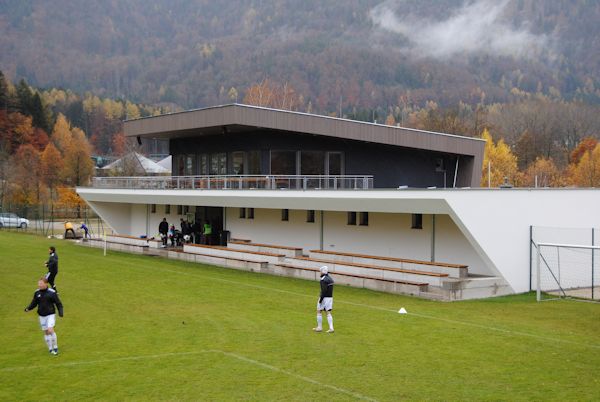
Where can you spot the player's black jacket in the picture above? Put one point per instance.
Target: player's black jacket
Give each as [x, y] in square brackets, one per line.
[52, 263]
[326, 287]
[45, 301]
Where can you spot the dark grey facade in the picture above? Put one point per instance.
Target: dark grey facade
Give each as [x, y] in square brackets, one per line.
[239, 139]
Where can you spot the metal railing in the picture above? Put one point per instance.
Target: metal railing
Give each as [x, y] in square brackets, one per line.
[237, 182]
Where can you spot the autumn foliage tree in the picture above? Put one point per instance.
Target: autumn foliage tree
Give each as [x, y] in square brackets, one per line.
[586, 172]
[270, 94]
[500, 161]
[26, 174]
[78, 166]
[542, 172]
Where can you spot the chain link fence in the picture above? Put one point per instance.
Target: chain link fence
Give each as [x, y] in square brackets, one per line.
[49, 220]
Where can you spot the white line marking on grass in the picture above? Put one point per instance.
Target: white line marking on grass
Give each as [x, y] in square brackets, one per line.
[466, 323]
[116, 359]
[206, 351]
[298, 376]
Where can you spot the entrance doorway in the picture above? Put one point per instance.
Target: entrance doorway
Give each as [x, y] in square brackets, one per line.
[215, 216]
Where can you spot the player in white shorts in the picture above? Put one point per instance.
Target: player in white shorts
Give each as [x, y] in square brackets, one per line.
[325, 301]
[45, 299]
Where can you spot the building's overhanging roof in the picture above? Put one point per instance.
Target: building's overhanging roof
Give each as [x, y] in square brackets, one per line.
[245, 118]
[496, 222]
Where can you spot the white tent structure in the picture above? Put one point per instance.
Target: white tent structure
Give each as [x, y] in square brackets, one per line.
[136, 164]
[166, 163]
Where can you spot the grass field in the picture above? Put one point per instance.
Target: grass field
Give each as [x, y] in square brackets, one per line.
[144, 328]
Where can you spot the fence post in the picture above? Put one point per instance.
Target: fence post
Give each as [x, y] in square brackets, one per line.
[593, 262]
[530, 256]
[537, 270]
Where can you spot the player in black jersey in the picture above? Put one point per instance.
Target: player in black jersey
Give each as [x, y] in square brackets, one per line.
[45, 299]
[52, 265]
[325, 301]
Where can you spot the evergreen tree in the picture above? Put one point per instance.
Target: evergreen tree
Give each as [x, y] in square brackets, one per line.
[38, 113]
[24, 98]
[3, 92]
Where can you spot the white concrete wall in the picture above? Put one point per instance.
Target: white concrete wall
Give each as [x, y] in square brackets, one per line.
[388, 235]
[452, 246]
[268, 228]
[142, 221]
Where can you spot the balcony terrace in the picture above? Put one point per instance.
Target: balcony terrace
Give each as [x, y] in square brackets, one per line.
[236, 182]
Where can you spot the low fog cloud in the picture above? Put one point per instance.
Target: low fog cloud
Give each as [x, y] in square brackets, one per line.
[474, 28]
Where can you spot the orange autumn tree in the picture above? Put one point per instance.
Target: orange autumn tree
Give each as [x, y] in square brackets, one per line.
[26, 176]
[70, 200]
[78, 165]
[52, 166]
[546, 172]
[586, 173]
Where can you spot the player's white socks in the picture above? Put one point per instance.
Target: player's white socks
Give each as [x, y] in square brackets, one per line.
[319, 320]
[330, 320]
[48, 340]
[55, 342]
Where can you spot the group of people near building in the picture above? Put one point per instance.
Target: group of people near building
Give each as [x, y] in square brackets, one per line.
[46, 299]
[197, 232]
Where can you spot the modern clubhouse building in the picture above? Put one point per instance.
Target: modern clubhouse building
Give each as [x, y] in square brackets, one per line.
[385, 207]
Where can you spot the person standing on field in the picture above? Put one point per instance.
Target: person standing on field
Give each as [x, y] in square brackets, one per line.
[163, 229]
[52, 265]
[325, 301]
[45, 299]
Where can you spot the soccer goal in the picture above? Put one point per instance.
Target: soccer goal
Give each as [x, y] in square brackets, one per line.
[567, 271]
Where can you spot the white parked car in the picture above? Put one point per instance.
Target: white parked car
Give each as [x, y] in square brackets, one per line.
[13, 221]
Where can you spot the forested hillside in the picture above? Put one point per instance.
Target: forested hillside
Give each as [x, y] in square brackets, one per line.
[523, 74]
[353, 54]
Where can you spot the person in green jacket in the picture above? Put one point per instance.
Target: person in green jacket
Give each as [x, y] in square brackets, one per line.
[207, 233]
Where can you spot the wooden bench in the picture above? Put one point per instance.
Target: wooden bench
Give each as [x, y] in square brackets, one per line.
[118, 246]
[453, 270]
[291, 252]
[238, 240]
[375, 271]
[228, 262]
[220, 251]
[130, 240]
[368, 282]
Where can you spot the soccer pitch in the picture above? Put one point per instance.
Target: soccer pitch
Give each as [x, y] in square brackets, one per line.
[144, 328]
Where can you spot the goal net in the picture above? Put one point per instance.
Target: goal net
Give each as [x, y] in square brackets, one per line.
[567, 271]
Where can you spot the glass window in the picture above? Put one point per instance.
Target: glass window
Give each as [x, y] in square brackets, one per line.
[237, 162]
[364, 219]
[312, 162]
[167, 209]
[203, 164]
[180, 165]
[417, 221]
[351, 218]
[218, 164]
[283, 162]
[253, 162]
[285, 215]
[179, 209]
[190, 161]
[250, 213]
[334, 161]
[242, 213]
[185, 210]
[153, 208]
[310, 215]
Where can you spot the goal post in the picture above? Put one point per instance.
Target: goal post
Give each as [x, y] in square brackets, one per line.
[567, 271]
